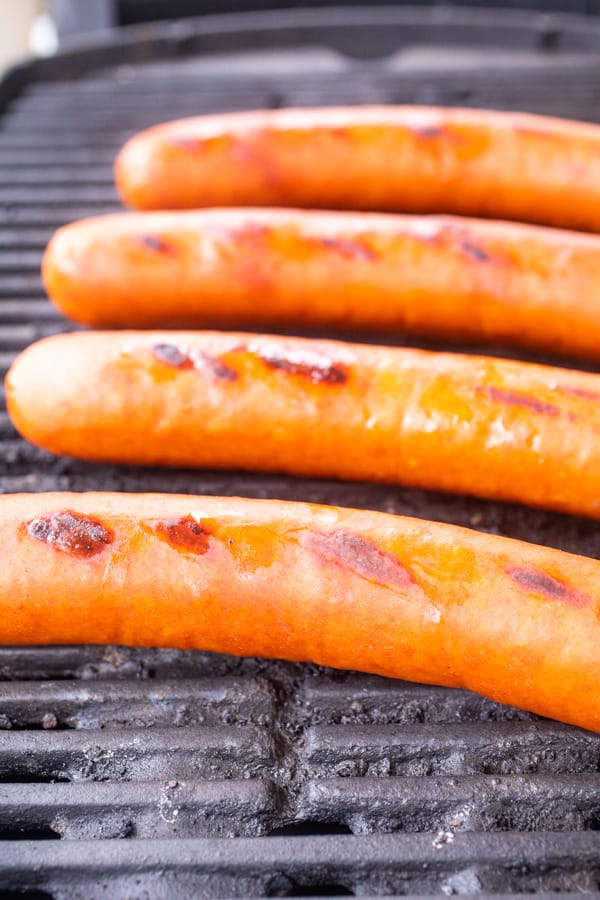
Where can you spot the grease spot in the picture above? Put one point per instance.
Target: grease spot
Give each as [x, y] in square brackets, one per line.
[540, 583]
[71, 532]
[350, 249]
[157, 244]
[502, 396]
[252, 546]
[185, 534]
[311, 364]
[361, 556]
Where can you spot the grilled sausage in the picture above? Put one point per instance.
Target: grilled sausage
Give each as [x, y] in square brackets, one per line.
[494, 428]
[468, 279]
[406, 159]
[346, 588]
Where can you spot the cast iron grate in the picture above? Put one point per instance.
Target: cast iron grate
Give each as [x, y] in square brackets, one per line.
[149, 773]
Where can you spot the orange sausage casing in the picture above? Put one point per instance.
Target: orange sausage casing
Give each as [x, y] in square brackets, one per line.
[346, 588]
[406, 159]
[467, 279]
[476, 425]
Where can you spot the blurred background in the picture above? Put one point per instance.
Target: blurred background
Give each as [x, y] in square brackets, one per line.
[40, 26]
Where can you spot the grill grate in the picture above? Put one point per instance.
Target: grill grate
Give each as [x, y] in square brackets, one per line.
[160, 773]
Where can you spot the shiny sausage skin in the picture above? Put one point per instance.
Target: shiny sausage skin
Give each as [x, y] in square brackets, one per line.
[346, 588]
[490, 427]
[405, 159]
[458, 278]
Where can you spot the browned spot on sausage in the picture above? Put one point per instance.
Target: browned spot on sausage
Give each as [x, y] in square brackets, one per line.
[195, 359]
[428, 131]
[185, 534]
[340, 132]
[157, 244]
[173, 356]
[360, 556]
[312, 364]
[351, 249]
[243, 151]
[474, 251]
[530, 132]
[216, 366]
[72, 533]
[579, 392]
[252, 231]
[539, 406]
[541, 583]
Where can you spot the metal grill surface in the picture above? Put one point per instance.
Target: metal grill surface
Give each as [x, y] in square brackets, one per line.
[160, 773]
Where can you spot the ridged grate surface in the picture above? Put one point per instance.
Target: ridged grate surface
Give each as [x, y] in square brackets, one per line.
[149, 773]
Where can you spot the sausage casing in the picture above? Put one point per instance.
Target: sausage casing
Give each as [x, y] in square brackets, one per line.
[489, 427]
[351, 589]
[457, 278]
[399, 159]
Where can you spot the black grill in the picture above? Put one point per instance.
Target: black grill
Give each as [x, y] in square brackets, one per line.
[161, 773]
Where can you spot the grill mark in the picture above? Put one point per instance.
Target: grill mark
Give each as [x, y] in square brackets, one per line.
[474, 251]
[579, 392]
[540, 583]
[173, 356]
[360, 556]
[215, 365]
[539, 406]
[158, 244]
[185, 534]
[316, 366]
[350, 249]
[428, 131]
[202, 362]
[71, 532]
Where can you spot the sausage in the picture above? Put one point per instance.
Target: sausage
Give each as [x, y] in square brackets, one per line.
[458, 278]
[405, 159]
[346, 588]
[494, 428]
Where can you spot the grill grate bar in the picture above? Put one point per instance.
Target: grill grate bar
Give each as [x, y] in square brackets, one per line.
[53, 194]
[91, 662]
[23, 260]
[21, 160]
[65, 177]
[364, 699]
[13, 311]
[192, 808]
[105, 810]
[18, 286]
[401, 863]
[13, 336]
[107, 704]
[135, 754]
[498, 748]
[457, 803]
[24, 240]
